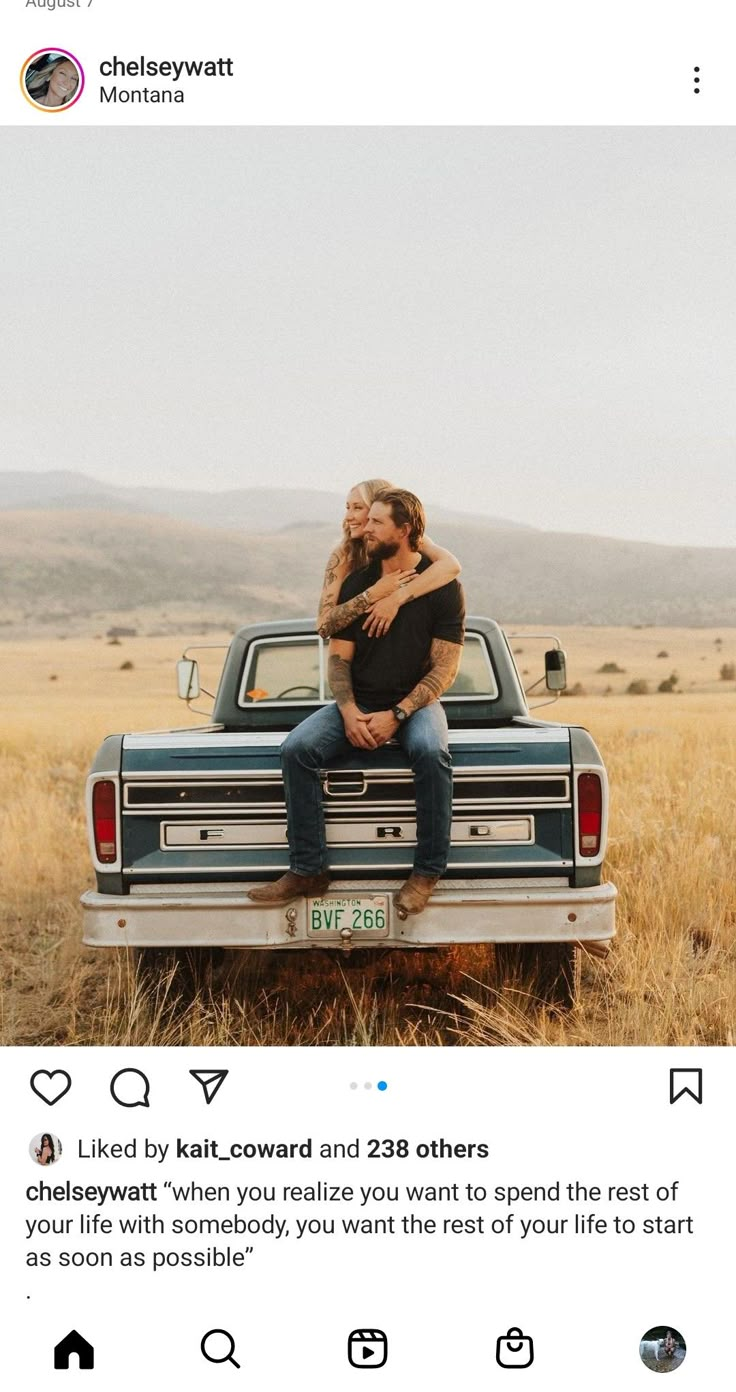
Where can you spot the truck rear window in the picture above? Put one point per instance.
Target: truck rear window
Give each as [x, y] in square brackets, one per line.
[476, 676]
[292, 671]
[287, 671]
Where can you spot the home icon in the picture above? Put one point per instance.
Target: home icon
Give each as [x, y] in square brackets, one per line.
[74, 1343]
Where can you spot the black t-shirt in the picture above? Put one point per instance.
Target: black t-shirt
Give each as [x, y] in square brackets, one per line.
[386, 669]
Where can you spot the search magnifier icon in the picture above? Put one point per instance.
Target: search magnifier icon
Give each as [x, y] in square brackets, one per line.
[218, 1346]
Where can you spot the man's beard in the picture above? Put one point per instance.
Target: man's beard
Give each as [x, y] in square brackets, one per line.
[381, 550]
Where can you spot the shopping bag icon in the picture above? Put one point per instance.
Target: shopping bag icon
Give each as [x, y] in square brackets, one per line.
[514, 1350]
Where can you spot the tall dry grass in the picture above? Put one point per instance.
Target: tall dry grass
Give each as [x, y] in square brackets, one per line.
[670, 978]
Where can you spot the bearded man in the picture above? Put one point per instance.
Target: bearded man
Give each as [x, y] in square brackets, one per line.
[384, 688]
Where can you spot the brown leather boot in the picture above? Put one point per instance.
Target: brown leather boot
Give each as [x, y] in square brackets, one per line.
[413, 896]
[288, 887]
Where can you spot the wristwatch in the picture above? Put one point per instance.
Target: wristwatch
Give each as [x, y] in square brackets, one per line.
[400, 713]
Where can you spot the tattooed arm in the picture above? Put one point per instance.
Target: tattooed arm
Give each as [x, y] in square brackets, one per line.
[340, 677]
[335, 572]
[333, 617]
[444, 664]
[340, 672]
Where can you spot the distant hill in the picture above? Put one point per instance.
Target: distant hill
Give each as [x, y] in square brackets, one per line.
[252, 509]
[68, 563]
[74, 562]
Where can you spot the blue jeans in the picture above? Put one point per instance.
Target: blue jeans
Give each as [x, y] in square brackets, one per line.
[321, 738]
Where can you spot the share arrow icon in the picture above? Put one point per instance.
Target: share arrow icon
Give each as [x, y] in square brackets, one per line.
[211, 1079]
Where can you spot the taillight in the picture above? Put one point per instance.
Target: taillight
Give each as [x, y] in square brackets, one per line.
[590, 813]
[104, 821]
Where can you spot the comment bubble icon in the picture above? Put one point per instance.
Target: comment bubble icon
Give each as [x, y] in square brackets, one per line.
[130, 1088]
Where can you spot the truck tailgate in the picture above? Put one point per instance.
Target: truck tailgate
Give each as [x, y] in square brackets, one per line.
[210, 806]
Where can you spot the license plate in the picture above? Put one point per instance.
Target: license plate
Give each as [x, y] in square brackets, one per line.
[364, 915]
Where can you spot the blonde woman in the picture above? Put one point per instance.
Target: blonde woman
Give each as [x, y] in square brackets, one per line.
[382, 601]
[53, 82]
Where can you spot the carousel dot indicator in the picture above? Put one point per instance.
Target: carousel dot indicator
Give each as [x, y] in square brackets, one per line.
[353, 1086]
[381, 1086]
[367, 1086]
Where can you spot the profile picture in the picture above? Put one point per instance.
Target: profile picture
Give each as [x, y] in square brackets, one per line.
[52, 79]
[662, 1349]
[45, 1149]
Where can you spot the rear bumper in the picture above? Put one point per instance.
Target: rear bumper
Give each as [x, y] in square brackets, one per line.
[460, 911]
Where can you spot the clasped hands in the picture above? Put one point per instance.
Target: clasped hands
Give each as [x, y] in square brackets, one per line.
[369, 730]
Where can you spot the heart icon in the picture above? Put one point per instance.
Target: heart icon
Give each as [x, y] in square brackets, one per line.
[50, 1087]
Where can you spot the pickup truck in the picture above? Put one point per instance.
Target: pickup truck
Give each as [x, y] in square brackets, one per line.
[183, 822]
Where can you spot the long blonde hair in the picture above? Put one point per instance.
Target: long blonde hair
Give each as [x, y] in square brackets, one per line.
[354, 547]
[39, 75]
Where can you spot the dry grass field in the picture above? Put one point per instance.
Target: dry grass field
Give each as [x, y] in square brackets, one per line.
[670, 978]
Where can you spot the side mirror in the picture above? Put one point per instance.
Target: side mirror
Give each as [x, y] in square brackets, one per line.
[555, 670]
[187, 679]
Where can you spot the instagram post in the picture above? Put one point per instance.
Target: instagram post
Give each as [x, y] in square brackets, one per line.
[369, 632]
[368, 713]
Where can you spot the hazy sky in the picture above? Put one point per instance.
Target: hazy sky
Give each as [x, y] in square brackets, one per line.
[534, 323]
